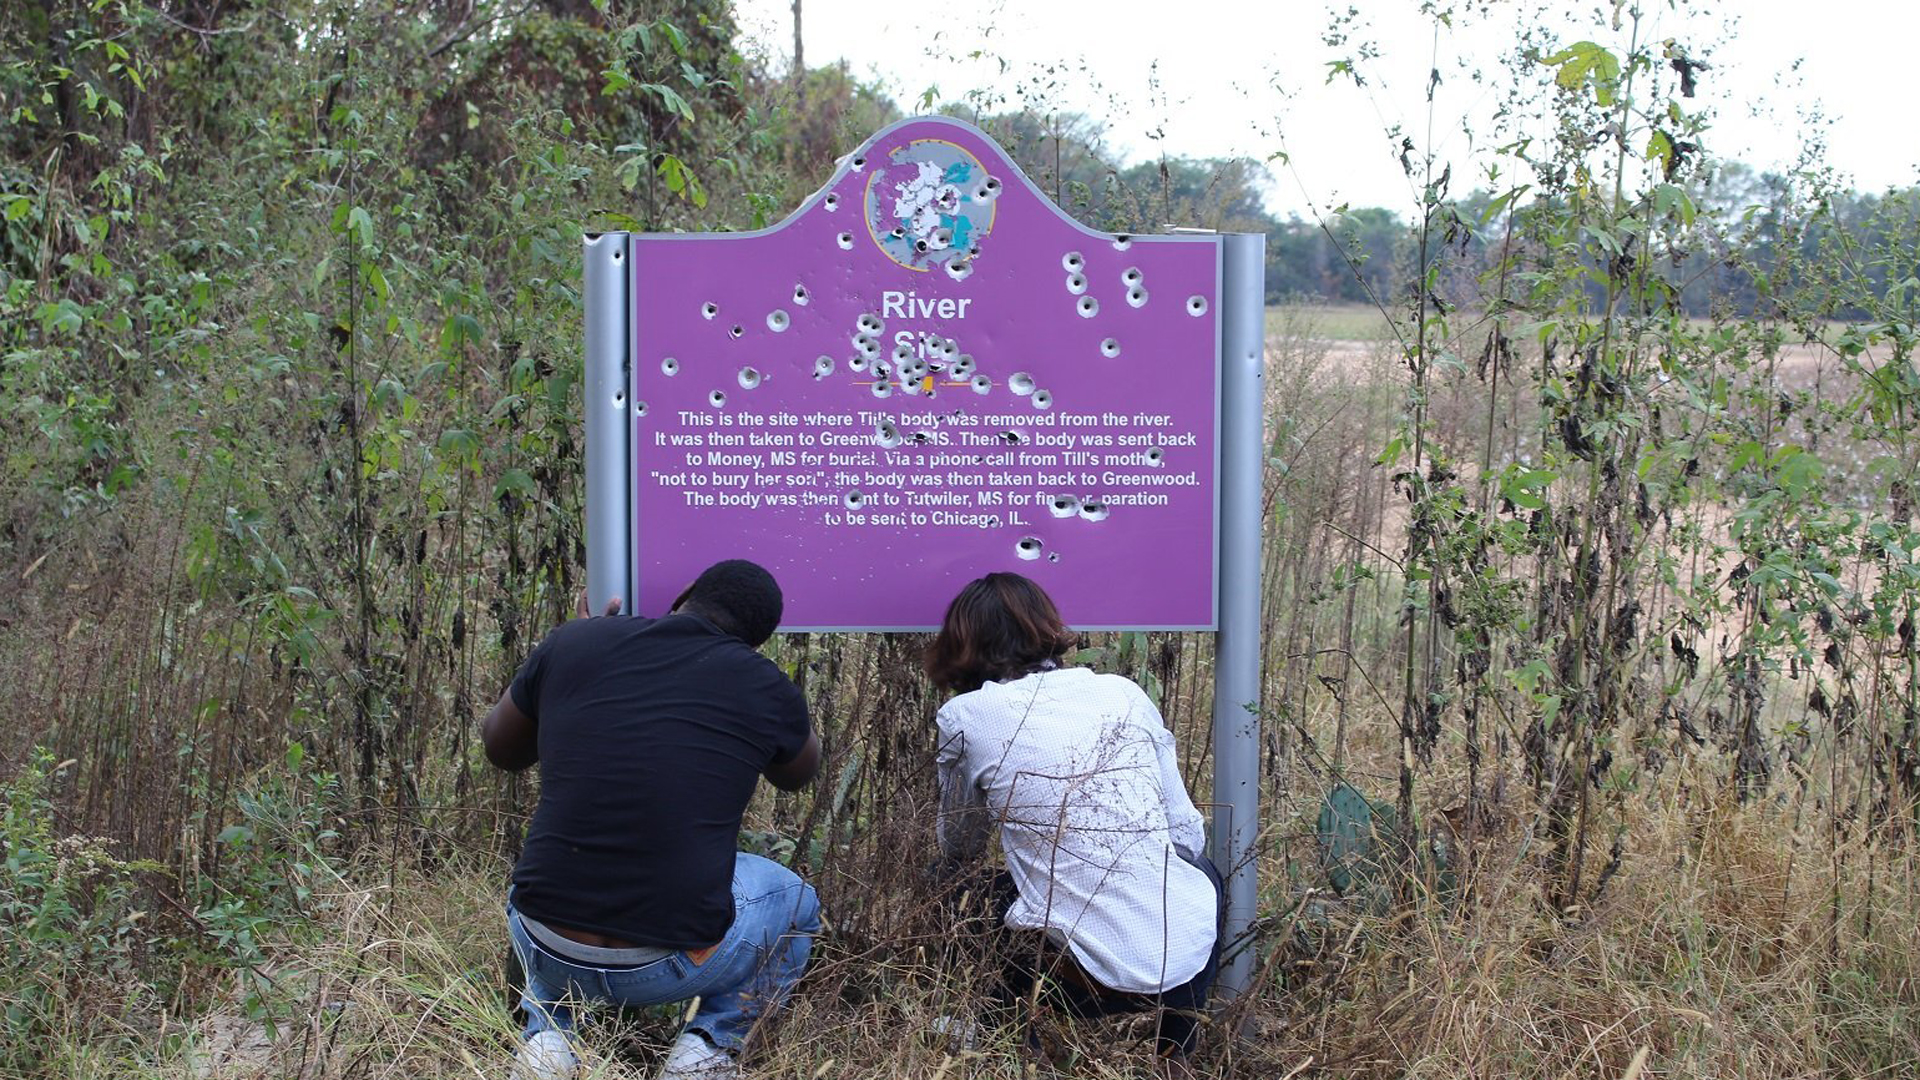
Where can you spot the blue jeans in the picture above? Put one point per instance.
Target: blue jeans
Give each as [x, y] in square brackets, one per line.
[775, 918]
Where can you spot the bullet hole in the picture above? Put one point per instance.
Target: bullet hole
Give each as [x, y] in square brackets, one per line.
[866, 346]
[902, 353]
[717, 399]
[749, 378]
[1122, 242]
[1012, 437]
[1132, 276]
[881, 367]
[910, 387]
[887, 435]
[801, 296]
[1156, 457]
[845, 240]
[832, 201]
[1076, 283]
[1021, 383]
[982, 384]
[1029, 547]
[669, 366]
[709, 309]
[639, 408]
[1073, 262]
[777, 320]
[948, 348]
[870, 324]
[1088, 307]
[920, 246]
[735, 331]
[882, 388]
[853, 500]
[920, 438]
[963, 367]
[986, 190]
[913, 368]
[857, 364]
[959, 269]
[1137, 296]
[898, 232]
[1110, 348]
[822, 367]
[1064, 506]
[941, 238]
[858, 163]
[1053, 556]
[1196, 305]
[1043, 399]
[1094, 510]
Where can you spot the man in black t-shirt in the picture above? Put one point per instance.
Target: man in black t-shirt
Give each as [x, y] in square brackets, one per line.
[650, 735]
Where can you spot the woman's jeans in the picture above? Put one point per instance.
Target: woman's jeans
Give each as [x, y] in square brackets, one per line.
[775, 918]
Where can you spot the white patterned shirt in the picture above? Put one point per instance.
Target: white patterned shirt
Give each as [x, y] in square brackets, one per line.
[1078, 770]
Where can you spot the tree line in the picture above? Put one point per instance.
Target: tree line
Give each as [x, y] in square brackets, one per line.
[1745, 225]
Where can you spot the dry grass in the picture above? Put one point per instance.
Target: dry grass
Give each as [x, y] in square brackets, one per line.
[1711, 954]
[1335, 322]
[1768, 938]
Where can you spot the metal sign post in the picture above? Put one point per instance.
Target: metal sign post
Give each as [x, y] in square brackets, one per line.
[1236, 671]
[607, 291]
[930, 372]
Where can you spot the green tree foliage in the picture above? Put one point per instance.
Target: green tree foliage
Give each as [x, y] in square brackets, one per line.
[289, 369]
[289, 317]
[1354, 257]
[1671, 477]
[289, 398]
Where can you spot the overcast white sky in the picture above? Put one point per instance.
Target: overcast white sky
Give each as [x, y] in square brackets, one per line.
[1206, 78]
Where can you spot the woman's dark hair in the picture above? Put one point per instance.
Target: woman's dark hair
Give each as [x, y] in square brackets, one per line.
[1001, 626]
[738, 597]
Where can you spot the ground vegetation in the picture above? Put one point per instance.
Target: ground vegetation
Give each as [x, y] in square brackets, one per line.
[1591, 700]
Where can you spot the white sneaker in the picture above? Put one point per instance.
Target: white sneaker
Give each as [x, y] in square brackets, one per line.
[961, 1034]
[546, 1056]
[694, 1058]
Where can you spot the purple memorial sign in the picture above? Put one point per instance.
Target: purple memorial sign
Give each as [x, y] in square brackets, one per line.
[925, 374]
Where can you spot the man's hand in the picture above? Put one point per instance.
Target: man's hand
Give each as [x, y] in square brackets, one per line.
[796, 774]
[581, 611]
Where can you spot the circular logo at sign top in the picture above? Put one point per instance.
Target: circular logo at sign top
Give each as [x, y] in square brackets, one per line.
[931, 204]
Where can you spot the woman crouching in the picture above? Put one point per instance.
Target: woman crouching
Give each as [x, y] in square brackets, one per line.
[1108, 903]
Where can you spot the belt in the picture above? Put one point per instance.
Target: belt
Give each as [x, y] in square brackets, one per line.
[594, 955]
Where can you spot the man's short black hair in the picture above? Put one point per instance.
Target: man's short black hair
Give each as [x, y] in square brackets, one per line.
[737, 596]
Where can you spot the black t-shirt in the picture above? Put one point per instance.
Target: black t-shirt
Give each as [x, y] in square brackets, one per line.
[652, 734]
